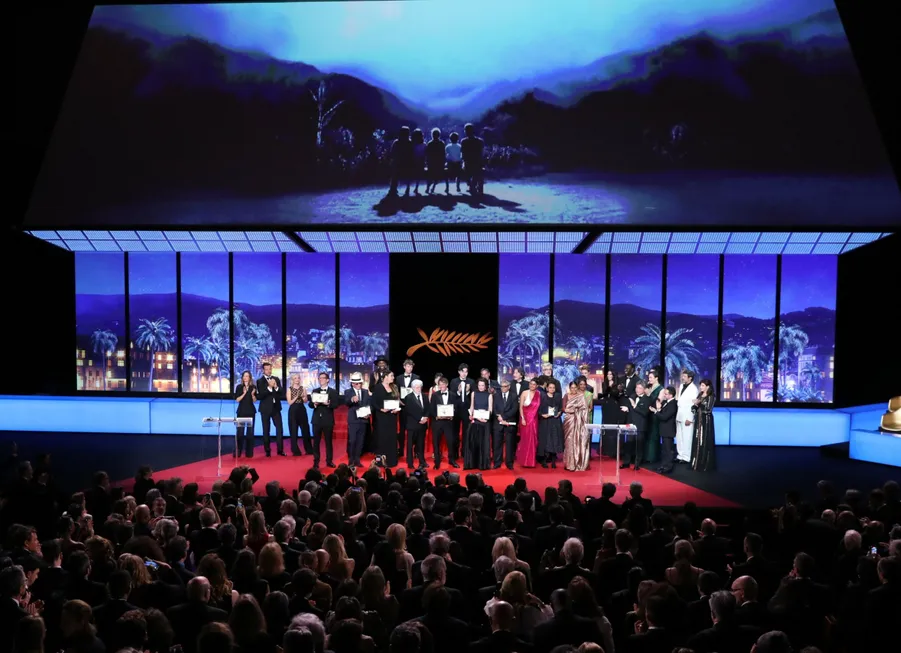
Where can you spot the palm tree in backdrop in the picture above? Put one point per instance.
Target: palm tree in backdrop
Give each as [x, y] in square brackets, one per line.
[745, 363]
[373, 344]
[331, 337]
[200, 350]
[153, 335]
[679, 351]
[103, 342]
[793, 340]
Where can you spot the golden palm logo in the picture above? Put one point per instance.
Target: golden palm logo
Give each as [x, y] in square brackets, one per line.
[447, 343]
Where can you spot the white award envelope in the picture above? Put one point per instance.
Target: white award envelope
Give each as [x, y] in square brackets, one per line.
[405, 391]
[364, 411]
[391, 404]
[445, 410]
[550, 411]
[320, 397]
[480, 414]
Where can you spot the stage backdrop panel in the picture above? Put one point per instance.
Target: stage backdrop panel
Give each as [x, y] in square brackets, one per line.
[523, 314]
[153, 321]
[310, 308]
[100, 338]
[692, 316]
[580, 294]
[441, 325]
[363, 291]
[749, 323]
[807, 328]
[636, 301]
[257, 313]
[205, 342]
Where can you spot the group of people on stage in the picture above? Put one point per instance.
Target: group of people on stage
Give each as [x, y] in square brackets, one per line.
[485, 422]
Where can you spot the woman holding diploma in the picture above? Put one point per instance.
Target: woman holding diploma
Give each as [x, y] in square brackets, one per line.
[550, 430]
[477, 450]
[245, 395]
[297, 417]
[529, 403]
[576, 439]
[386, 409]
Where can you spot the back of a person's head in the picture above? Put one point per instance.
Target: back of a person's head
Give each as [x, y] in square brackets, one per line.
[215, 637]
[298, 641]
[708, 582]
[722, 605]
[655, 610]
[774, 641]
[405, 638]
[623, 540]
[804, 565]
[12, 581]
[29, 635]
[119, 584]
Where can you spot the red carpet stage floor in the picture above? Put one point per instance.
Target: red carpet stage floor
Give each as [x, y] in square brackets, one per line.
[288, 470]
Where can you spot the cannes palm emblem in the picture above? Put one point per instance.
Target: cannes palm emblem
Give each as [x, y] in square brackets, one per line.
[447, 343]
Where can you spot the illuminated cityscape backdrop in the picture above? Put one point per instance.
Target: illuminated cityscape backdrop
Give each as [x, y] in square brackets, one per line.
[308, 313]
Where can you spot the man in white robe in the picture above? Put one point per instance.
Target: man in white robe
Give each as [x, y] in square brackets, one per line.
[685, 396]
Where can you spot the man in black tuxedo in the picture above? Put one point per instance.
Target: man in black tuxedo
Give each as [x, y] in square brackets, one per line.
[461, 388]
[519, 384]
[323, 400]
[506, 410]
[665, 414]
[416, 416]
[443, 427]
[639, 410]
[547, 369]
[356, 397]
[269, 391]
[405, 385]
[630, 381]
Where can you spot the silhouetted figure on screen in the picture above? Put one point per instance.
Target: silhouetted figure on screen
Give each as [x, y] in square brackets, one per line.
[473, 149]
[401, 161]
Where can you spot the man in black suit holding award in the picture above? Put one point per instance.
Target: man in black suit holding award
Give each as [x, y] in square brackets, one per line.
[506, 411]
[665, 414]
[416, 416]
[443, 427]
[461, 389]
[323, 400]
[358, 400]
[639, 410]
[404, 385]
[269, 391]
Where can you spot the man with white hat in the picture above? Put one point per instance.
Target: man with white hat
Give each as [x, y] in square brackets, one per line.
[359, 404]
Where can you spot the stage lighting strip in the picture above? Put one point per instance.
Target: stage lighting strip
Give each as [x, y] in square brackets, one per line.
[475, 242]
[460, 242]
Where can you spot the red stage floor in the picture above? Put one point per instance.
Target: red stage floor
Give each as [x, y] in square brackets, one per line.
[660, 489]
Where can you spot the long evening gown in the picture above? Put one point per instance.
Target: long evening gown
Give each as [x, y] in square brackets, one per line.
[652, 446]
[385, 431]
[703, 443]
[528, 430]
[477, 449]
[550, 430]
[576, 437]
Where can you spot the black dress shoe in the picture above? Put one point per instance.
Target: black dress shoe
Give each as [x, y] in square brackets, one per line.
[510, 467]
[331, 464]
[281, 453]
[455, 465]
[269, 454]
[436, 466]
[624, 466]
[296, 453]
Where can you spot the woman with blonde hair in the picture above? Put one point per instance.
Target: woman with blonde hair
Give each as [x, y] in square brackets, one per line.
[103, 560]
[257, 536]
[392, 557]
[271, 566]
[222, 595]
[503, 546]
[297, 416]
[683, 576]
[528, 610]
[340, 567]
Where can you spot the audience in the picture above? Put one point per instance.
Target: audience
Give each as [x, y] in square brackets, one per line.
[392, 562]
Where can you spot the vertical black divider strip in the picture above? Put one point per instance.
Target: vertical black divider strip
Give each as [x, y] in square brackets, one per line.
[662, 377]
[231, 320]
[719, 330]
[178, 338]
[550, 321]
[607, 280]
[776, 329]
[285, 383]
[337, 365]
[127, 327]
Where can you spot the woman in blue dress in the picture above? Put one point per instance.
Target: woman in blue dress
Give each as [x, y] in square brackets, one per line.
[477, 450]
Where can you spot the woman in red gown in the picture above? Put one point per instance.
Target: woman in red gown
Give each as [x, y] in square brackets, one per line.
[529, 402]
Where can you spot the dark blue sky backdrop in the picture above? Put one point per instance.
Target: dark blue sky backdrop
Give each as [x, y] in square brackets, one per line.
[525, 280]
[637, 279]
[205, 275]
[364, 280]
[311, 279]
[429, 49]
[808, 281]
[749, 286]
[693, 284]
[151, 273]
[257, 278]
[99, 274]
[581, 277]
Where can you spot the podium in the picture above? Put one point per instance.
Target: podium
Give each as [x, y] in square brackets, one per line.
[621, 429]
[218, 422]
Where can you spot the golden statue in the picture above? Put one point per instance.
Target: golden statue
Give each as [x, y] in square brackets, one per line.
[891, 421]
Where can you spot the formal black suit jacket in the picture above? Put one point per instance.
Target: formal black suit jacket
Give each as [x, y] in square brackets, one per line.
[500, 641]
[666, 416]
[454, 387]
[414, 411]
[522, 387]
[629, 383]
[656, 640]
[565, 628]
[187, 620]
[365, 400]
[509, 411]
[436, 399]
[638, 415]
[403, 382]
[324, 415]
[270, 400]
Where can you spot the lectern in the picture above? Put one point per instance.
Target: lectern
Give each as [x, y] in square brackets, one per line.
[621, 429]
[218, 422]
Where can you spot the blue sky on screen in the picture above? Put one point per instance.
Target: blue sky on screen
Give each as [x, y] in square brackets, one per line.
[637, 279]
[364, 280]
[693, 284]
[525, 280]
[808, 283]
[99, 274]
[420, 48]
[205, 275]
[257, 278]
[151, 273]
[749, 286]
[580, 277]
[311, 279]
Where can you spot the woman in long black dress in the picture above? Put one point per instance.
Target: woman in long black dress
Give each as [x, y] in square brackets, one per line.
[477, 449]
[550, 429]
[704, 440]
[245, 395]
[385, 421]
